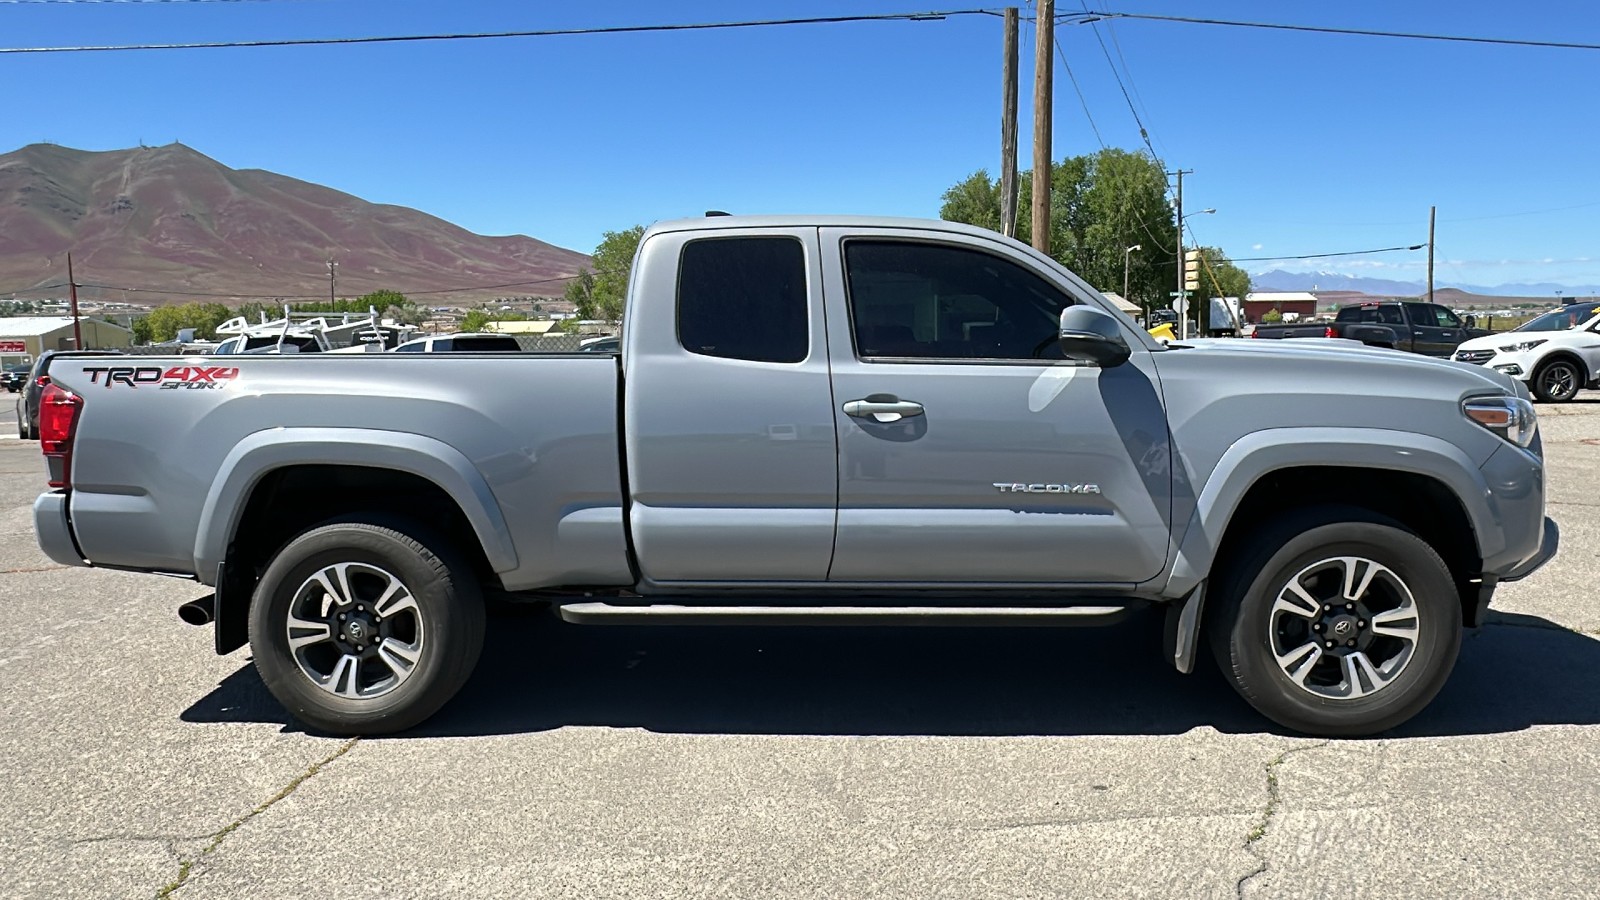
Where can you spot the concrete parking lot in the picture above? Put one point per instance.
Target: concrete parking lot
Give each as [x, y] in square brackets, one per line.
[693, 762]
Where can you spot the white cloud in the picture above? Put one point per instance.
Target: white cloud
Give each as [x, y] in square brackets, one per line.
[1255, 246]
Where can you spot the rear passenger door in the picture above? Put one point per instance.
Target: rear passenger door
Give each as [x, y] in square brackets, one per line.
[731, 453]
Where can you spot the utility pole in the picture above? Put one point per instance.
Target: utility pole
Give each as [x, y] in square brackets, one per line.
[331, 279]
[1043, 58]
[1431, 211]
[1008, 127]
[72, 292]
[1183, 317]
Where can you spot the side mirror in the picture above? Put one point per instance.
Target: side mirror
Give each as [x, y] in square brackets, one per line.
[1090, 335]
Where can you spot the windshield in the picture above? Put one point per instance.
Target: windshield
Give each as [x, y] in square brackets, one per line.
[1561, 319]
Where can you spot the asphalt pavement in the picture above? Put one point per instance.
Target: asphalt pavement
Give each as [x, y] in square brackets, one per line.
[702, 762]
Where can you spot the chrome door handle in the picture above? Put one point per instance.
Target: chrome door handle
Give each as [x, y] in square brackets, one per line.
[883, 408]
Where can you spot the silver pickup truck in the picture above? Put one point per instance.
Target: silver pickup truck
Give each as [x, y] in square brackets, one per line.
[817, 420]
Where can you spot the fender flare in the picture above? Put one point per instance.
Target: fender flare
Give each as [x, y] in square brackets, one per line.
[1260, 453]
[275, 448]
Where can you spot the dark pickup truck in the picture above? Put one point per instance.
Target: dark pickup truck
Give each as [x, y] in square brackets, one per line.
[1425, 328]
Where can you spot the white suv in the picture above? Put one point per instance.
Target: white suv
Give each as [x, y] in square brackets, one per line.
[1556, 353]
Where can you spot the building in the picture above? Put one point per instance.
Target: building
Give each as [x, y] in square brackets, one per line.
[23, 338]
[1132, 309]
[1259, 303]
[522, 326]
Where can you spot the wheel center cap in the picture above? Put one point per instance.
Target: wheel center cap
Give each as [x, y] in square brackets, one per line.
[356, 631]
[1343, 628]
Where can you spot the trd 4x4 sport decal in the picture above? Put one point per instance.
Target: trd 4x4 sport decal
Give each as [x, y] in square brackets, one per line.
[201, 378]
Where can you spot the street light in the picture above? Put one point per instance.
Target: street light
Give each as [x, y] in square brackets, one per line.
[1125, 255]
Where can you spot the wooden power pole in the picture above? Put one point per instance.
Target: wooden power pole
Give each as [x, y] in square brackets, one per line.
[72, 292]
[1043, 57]
[1008, 128]
[1431, 211]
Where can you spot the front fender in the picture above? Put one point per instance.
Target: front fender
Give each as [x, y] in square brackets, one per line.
[1262, 452]
[275, 448]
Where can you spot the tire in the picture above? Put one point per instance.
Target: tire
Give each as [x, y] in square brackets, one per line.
[1261, 629]
[1557, 381]
[380, 668]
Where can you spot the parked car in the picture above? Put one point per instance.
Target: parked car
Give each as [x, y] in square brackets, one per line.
[1554, 354]
[14, 377]
[1425, 328]
[837, 420]
[462, 343]
[601, 345]
[38, 377]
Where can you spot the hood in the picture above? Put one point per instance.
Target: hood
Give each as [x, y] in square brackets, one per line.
[1488, 341]
[1301, 354]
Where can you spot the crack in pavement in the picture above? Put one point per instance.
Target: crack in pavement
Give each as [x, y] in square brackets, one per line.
[1268, 813]
[186, 866]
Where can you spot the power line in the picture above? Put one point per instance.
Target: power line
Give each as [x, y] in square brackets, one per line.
[1323, 255]
[1079, 19]
[123, 2]
[483, 35]
[1079, 91]
[1144, 134]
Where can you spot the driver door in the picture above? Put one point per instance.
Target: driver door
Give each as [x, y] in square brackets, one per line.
[970, 452]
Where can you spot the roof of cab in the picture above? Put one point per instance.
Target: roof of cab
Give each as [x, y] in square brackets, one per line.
[720, 222]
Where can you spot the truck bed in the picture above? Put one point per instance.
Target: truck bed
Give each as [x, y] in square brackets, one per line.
[528, 444]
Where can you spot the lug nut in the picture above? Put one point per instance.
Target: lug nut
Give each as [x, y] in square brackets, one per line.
[1349, 606]
[1349, 643]
[1317, 627]
[341, 617]
[1361, 623]
[1326, 607]
[1330, 645]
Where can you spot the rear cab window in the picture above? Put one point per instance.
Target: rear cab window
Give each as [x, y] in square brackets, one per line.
[744, 298]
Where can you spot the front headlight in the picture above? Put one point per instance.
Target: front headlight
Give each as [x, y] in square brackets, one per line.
[1513, 418]
[1525, 345]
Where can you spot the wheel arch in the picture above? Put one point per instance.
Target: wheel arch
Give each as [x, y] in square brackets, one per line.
[1425, 483]
[397, 460]
[1567, 354]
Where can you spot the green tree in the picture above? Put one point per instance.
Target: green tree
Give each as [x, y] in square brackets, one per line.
[164, 323]
[141, 330]
[1100, 205]
[1271, 317]
[601, 294]
[475, 320]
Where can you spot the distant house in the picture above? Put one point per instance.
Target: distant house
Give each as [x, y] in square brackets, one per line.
[1259, 303]
[25, 337]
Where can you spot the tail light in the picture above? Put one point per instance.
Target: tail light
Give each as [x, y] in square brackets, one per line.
[42, 380]
[58, 423]
[1256, 333]
[1329, 332]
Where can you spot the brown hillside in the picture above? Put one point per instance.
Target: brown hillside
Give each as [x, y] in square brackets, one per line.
[170, 218]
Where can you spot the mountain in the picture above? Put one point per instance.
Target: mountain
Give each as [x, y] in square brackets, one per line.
[1280, 280]
[171, 219]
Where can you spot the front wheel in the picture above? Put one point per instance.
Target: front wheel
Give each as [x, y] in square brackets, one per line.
[1339, 623]
[358, 628]
[1557, 381]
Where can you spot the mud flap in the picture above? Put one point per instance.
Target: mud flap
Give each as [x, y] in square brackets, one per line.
[1182, 630]
[232, 613]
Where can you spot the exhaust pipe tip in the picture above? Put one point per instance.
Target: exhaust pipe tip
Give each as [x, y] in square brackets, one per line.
[199, 612]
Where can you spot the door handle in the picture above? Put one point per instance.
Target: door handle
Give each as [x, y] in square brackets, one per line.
[883, 408]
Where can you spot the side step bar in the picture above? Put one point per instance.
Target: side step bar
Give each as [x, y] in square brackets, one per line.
[593, 613]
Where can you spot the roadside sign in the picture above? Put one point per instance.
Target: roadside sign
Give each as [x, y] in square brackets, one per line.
[13, 347]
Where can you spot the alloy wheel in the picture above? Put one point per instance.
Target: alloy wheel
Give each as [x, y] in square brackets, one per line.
[355, 630]
[1344, 628]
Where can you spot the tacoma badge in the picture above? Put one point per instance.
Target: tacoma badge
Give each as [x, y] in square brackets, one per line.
[1047, 488]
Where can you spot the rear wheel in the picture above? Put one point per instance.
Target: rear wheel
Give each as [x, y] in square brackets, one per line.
[1557, 381]
[360, 628]
[1337, 622]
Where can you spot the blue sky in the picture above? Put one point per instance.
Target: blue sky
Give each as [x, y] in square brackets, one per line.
[1303, 143]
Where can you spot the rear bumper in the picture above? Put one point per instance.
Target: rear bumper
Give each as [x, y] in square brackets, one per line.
[1548, 545]
[53, 530]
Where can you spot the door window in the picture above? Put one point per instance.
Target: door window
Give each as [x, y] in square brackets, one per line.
[1443, 318]
[744, 298]
[931, 301]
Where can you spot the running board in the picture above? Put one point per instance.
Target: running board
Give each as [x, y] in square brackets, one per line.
[591, 613]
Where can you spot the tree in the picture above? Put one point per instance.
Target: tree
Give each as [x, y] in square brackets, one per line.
[1100, 205]
[600, 294]
[475, 320]
[163, 323]
[141, 330]
[1271, 317]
